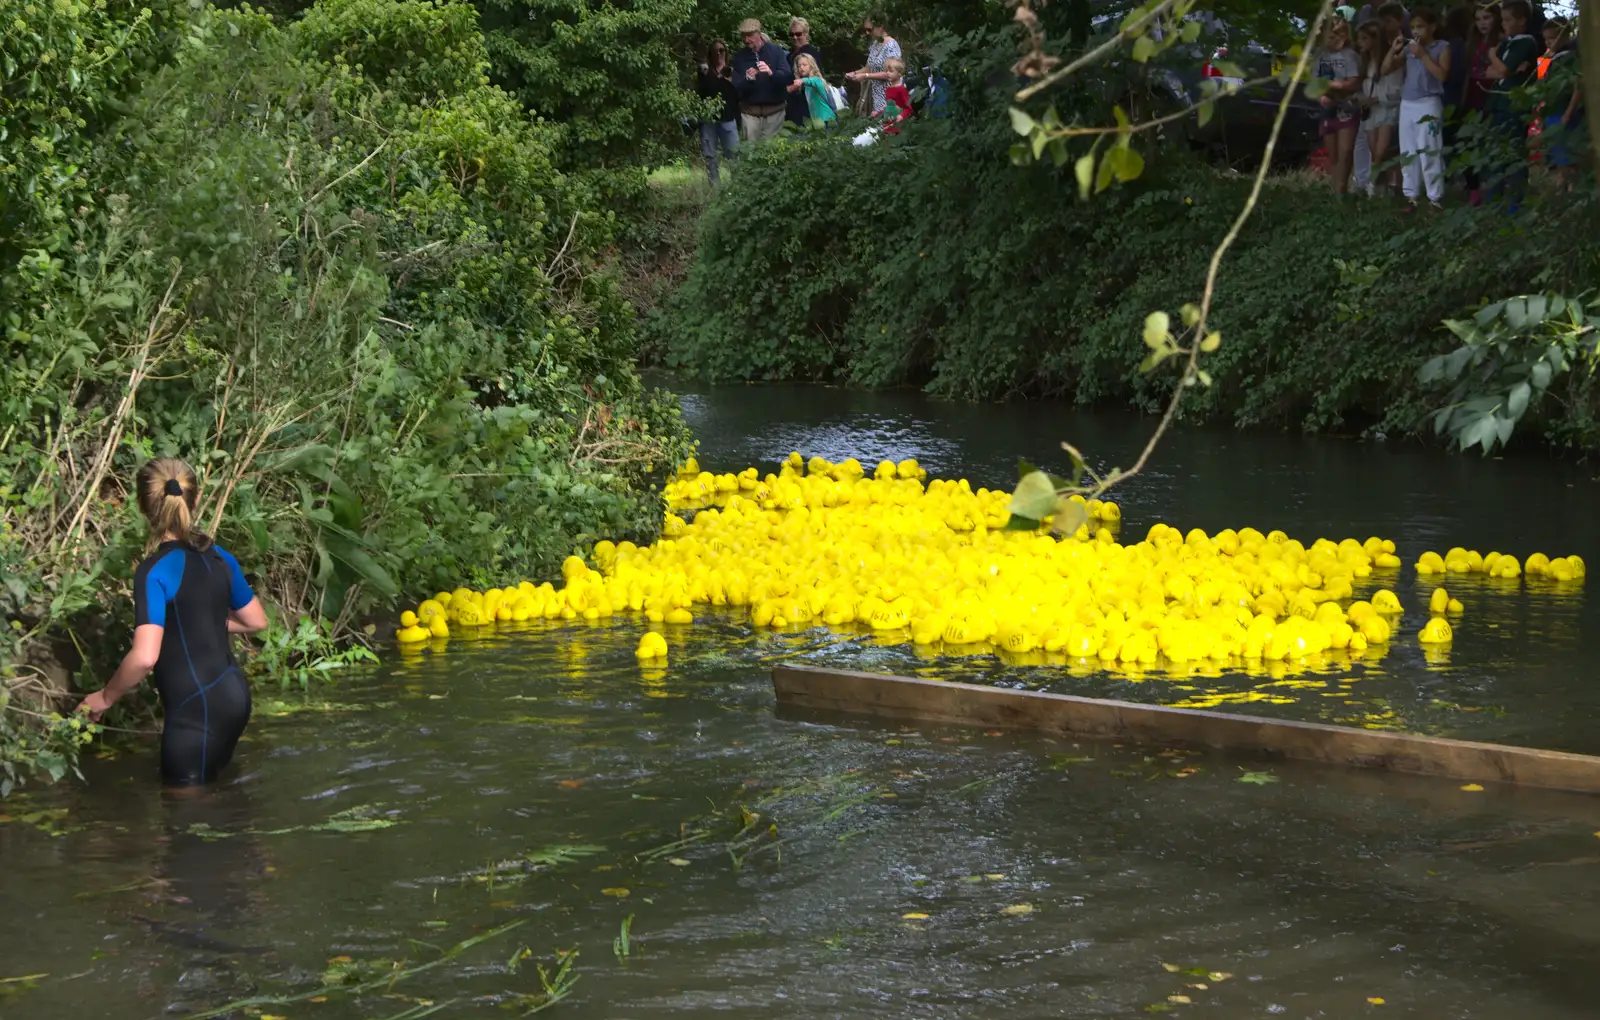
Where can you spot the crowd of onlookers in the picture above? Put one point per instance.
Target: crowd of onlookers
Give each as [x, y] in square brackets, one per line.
[1400, 83]
[763, 86]
[1413, 81]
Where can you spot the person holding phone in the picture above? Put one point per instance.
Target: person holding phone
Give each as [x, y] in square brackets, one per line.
[761, 77]
[1425, 61]
[716, 82]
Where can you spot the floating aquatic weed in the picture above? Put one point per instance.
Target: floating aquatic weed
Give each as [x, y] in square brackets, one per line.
[622, 945]
[13, 986]
[390, 976]
[1257, 778]
[363, 818]
[555, 984]
[50, 821]
[743, 830]
[520, 869]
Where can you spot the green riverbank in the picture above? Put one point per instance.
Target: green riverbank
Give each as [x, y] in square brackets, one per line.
[348, 279]
[931, 261]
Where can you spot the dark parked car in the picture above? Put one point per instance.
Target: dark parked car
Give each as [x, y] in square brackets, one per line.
[1241, 121]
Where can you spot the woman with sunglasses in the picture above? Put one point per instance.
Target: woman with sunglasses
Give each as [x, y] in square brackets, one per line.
[716, 82]
[798, 112]
[884, 48]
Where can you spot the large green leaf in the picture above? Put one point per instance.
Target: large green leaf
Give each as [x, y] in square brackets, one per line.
[1034, 496]
[361, 564]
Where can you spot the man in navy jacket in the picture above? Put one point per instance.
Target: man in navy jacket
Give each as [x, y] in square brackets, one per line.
[761, 77]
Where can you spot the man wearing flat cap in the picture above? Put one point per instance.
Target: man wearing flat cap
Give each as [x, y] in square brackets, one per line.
[761, 77]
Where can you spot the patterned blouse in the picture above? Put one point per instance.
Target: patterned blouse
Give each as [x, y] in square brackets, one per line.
[879, 54]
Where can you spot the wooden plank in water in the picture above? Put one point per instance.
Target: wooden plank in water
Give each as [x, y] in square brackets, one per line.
[898, 697]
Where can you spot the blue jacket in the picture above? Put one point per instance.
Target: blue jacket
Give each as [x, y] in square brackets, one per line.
[766, 89]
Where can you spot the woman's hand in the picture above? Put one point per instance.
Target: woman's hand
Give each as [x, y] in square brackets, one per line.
[95, 705]
[853, 75]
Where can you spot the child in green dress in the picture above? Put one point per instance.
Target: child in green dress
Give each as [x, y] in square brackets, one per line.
[808, 77]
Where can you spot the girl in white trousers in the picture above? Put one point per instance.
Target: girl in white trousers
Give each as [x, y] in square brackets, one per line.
[1427, 64]
[1422, 144]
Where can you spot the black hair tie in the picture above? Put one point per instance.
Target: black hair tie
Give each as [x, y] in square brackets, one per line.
[174, 487]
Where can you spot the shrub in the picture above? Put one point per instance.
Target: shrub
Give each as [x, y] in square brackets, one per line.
[375, 316]
[929, 260]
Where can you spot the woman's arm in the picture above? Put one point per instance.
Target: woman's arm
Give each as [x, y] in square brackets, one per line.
[1440, 68]
[136, 665]
[248, 619]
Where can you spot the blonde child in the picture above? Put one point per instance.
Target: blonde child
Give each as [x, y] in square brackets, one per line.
[897, 98]
[808, 79]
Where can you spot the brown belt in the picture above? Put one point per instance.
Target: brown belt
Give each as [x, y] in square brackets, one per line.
[761, 111]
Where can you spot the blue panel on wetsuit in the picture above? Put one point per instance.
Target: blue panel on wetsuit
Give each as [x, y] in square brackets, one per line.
[204, 696]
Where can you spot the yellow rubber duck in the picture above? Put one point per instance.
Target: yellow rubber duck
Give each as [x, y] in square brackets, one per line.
[1437, 631]
[652, 646]
[1386, 601]
[409, 633]
[1439, 601]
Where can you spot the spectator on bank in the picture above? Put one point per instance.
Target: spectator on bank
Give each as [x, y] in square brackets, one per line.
[1338, 64]
[813, 90]
[800, 45]
[1563, 106]
[761, 76]
[896, 97]
[1510, 67]
[1382, 81]
[1425, 61]
[883, 49]
[1392, 18]
[716, 82]
[1482, 42]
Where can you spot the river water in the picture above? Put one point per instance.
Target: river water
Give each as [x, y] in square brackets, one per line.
[536, 776]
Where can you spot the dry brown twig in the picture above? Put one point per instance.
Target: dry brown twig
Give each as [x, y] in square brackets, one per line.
[102, 463]
[1191, 364]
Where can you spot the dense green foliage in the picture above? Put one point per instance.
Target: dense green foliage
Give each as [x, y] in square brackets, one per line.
[1514, 354]
[344, 277]
[931, 261]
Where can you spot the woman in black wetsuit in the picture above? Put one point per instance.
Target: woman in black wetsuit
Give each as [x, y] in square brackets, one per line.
[188, 596]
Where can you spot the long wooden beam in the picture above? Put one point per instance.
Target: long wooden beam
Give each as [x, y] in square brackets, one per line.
[898, 697]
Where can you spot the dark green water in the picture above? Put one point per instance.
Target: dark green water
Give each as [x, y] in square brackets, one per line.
[1314, 891]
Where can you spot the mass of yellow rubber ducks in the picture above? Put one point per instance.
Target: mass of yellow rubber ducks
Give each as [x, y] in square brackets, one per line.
[933, 563]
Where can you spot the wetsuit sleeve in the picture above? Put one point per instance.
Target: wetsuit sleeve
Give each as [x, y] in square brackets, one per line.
[239, 593]
[155, 584]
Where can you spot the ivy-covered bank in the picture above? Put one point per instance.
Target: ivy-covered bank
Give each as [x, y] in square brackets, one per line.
[339, 272]
[930, 260]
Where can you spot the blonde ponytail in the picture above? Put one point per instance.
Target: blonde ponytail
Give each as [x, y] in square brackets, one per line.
[168, 491]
